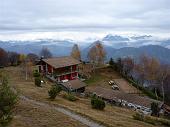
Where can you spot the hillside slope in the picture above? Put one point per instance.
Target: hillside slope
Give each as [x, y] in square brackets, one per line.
[111, 116]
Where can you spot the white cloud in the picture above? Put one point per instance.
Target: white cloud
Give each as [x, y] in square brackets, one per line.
[87, 16]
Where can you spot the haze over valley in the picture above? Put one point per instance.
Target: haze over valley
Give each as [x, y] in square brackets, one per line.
[115, 46]
[84, 63]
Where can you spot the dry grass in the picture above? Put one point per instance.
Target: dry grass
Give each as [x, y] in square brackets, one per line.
[112, 116]
[30, 115]
[126, 87]
[103, 75]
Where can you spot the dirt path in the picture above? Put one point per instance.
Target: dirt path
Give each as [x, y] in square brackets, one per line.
[75, 116]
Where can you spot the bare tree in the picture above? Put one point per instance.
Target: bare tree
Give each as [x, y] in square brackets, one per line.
[162, 75]
[75, 53]
[45, 53]
[141, 68]
[3, 57]
[23, 62]
[92, 55]
[128, 65]
[85, 69]
[101, 54]
[13, 58]
[167, 87]
[155, 73]
[152, 68]
[32, 57]
[97, 54]
[22, 58]
[27, 69]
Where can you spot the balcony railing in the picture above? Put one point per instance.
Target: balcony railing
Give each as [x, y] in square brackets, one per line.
[56, 73]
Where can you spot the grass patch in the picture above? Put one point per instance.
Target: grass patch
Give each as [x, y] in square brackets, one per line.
[138, 116]
[70, 97]
[164, 122]
[151, 120]
[94, 78]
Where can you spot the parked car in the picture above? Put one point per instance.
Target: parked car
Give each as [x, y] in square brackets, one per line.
[111, 82]
[115, 87]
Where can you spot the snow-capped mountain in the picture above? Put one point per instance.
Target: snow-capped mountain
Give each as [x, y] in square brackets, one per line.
[115, 45]
[117, 41]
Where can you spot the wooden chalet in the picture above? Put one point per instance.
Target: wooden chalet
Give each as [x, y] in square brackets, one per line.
[59, 68]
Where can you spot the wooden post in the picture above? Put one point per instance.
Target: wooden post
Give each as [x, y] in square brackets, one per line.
[77, 74]
[71, 72]
[52, 70]
[46, 69]
[26, 72]
[58, 78]
[71, 68]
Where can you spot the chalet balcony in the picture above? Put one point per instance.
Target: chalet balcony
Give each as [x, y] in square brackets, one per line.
[59, 73]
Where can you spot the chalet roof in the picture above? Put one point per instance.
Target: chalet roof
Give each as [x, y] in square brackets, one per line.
[74, 84]
[115, 95]
[59, 62]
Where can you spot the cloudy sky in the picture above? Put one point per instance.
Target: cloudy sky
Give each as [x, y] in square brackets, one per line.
[75, 19]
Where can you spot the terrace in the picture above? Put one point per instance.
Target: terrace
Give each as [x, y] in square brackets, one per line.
[64, 71]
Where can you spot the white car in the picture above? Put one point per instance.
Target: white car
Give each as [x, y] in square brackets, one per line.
[115, 87]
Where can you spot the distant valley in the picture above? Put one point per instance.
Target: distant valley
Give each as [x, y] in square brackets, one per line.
[115, 46]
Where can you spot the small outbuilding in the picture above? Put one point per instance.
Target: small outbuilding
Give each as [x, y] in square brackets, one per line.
[166, 109]
[131, 100]
[76, 86]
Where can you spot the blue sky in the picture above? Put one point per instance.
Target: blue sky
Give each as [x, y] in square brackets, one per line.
[50, 18]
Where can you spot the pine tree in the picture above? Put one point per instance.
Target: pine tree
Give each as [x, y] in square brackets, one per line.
[111, 62]
[8, 99]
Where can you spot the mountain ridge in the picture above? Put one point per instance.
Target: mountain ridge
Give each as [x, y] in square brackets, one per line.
[115, 46]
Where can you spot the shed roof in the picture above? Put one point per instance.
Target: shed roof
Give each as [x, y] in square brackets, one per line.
[112, 95]
[74, 84]
[166, 108]
[59, 62]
